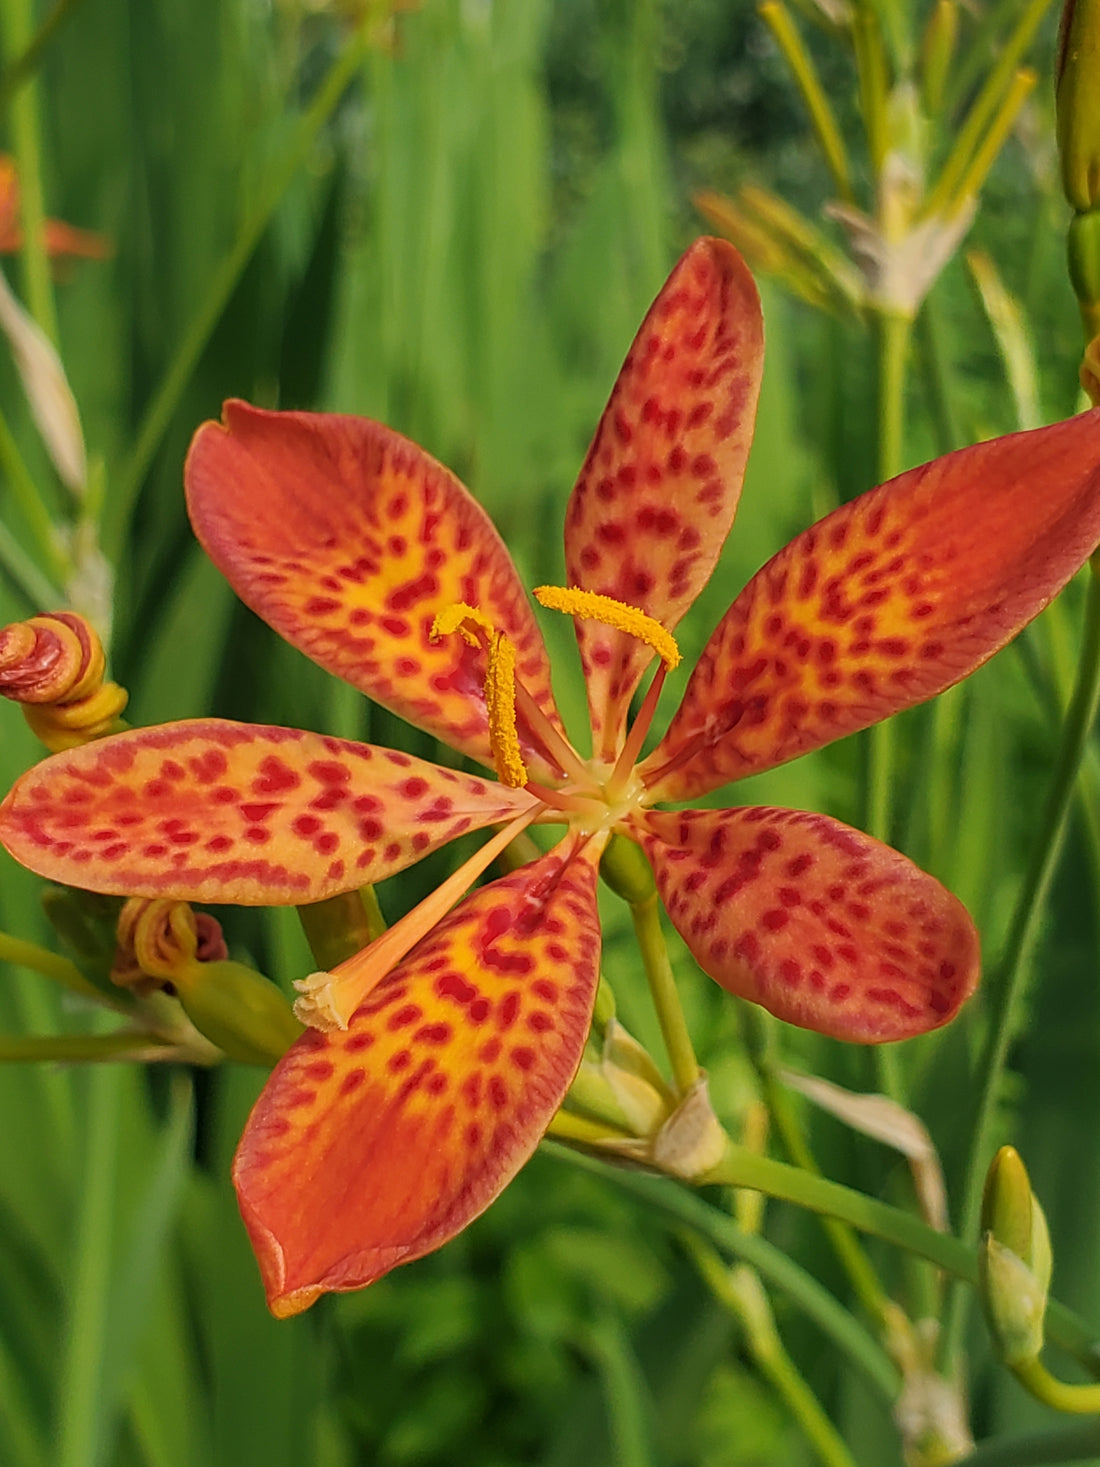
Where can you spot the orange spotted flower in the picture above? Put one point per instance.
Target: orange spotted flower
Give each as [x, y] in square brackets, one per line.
[439, 1054]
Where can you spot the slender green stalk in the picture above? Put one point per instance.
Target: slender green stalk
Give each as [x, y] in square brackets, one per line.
[1077, 1400]
[61, 1049]
[36, 589]
[666, 999]
[741, 1168]
[741, 1291]
[629, 1407]
[18, 17]
[874, 86]
[166, 398]
[1006, 995]
[20, 71]
[24, 490]
[50, 964]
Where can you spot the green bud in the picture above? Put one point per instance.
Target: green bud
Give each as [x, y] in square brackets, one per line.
[238, 1009]
[1013, 1300]
[1077, 103]
[1084, 255]
[1014, 1259]
[627, 872]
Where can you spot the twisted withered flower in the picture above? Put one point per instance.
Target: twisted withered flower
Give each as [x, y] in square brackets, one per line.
[440, 1053]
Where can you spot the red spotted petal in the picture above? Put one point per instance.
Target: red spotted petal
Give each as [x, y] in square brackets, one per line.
[819, 923]
[372, 1146]
[348, 540]
[659, 489]
[884, 603]
[213, 811]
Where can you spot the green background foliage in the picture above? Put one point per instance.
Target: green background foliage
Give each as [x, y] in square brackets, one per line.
[465, 251]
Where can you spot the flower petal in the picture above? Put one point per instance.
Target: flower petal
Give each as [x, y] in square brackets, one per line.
[212, 811]
[819, 923]
[659, 489]
[884, 603]
[372, 1146]
[348, 540]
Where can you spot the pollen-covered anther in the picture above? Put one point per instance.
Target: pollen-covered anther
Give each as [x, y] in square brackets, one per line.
[591, 606]
[500, 685]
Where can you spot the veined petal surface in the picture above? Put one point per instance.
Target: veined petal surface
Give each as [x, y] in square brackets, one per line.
[884, 603]
[817, 922]
[372, 1146]
[659, 489]
[348, 540]
[212, 811]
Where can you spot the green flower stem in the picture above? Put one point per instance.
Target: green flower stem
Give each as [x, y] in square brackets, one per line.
[81, 1048]
[166, 398]
[35, 588]
[666, 1000]
[18, 33]
[741, 1291]
[974, 175]
[341, 926]
[51, 558]
[1078, 1400]
[568, 1126]
[776, 17]
[892, 340]
[1006, 996]
[23, 954]
[815, 1301]
[845, 1244]
[20, 71]
[742, 1168]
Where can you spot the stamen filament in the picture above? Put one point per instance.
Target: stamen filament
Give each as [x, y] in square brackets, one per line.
[555, 744]
[330, 999]
[632, 746]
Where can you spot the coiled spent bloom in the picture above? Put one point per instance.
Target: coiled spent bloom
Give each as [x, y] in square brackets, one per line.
[54, 666]
[443, 1049]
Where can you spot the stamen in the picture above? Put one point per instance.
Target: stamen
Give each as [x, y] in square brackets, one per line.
[638, 730]
[591, 606]
[330, 999]
[477, 630]
[500, 703]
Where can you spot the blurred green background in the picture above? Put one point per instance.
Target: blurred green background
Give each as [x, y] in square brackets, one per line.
[464, 249]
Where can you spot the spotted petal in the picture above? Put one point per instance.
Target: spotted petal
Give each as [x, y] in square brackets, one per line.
[884, 603]
[817, 922]
[212, 811]
[348, 540]
[658, 491]
[372, 1146]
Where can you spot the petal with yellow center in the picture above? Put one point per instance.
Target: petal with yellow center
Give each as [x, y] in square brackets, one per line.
[372, 1146]
[659, 489]
[817, 922]
[212, 811]
[884, 603]
[349, 540]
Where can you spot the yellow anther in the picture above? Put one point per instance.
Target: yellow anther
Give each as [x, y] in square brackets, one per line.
[500, 701]
[500, 685]
[590, 606]
[462, 619]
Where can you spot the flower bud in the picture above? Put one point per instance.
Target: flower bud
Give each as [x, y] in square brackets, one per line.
[1014, 1259]
[1077, 103]
[240, 1010]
